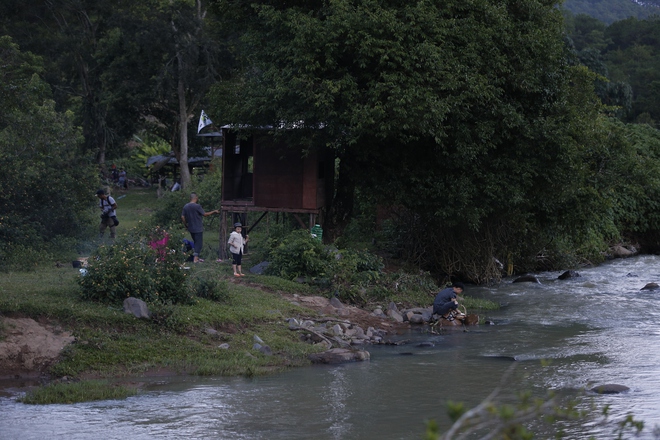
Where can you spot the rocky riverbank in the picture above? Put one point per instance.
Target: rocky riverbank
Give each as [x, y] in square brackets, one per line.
[29, 347]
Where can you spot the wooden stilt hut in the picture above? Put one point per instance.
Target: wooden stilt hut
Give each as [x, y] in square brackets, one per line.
[262, 174]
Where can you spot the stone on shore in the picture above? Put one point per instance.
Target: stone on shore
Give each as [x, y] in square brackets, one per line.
[336, 303]
[136, 307]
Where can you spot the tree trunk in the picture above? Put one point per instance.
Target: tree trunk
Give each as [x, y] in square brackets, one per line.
[341, 208]
[183, 129]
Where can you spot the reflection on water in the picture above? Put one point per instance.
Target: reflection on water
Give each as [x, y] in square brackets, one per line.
[592, 330]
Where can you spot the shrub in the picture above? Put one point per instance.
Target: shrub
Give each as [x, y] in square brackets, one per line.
[131, 268]
[299, 255]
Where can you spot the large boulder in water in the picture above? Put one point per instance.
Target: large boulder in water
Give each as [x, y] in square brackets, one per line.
[569, 274]
[651, 286]
[339, 356]
[619, 251]
[610, 388]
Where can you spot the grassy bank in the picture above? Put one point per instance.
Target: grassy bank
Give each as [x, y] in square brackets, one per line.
[183, 338]
[205, 337]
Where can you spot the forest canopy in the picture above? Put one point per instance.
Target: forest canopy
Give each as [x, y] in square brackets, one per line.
[493, 133]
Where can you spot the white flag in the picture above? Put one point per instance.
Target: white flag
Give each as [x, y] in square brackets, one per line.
[203, 121]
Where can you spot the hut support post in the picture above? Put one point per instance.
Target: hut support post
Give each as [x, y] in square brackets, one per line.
[222, 248]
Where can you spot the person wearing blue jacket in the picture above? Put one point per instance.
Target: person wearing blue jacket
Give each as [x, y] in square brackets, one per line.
[446, 301]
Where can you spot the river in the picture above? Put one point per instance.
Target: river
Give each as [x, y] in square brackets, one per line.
[563, 336]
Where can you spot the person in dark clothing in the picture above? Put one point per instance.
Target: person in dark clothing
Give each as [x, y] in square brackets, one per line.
[192, 216]
[446, 301]
[108, 207]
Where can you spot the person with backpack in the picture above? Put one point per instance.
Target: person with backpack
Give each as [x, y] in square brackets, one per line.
[108, 207]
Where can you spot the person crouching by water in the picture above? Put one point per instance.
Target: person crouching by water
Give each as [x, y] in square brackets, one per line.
[108, 207]
[236, 243]
[446, 301]
[192, 216]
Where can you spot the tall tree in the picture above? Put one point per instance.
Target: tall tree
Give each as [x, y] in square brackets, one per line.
[44, 186]
[191, 67]
[94, 62]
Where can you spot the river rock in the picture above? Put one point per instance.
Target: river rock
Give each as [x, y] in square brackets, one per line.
[337, 330]
[416, 319]
[610, 388]
[619, 251]
[425, 344]
[392, 306]
[527, 279]
[650, 286]
[339, 356]
[136, 307]
[334, 302]
[340, 342]
[569, 274]
[395, 315]
[471, 319]
[260, 268]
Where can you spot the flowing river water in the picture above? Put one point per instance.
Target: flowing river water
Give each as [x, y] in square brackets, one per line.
[564, 336]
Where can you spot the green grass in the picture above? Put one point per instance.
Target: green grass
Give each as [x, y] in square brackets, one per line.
[83, 391]
[113, 343]
[134, 205]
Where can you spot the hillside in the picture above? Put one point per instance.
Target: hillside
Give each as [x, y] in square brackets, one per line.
[609, 11]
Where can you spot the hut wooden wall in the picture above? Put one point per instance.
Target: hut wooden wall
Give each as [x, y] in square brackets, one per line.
[282, 177]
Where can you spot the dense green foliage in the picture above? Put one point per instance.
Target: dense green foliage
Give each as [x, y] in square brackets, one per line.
[468, 116]
[299, 255]
[354, 276]
[475, 125]
[45, 188]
